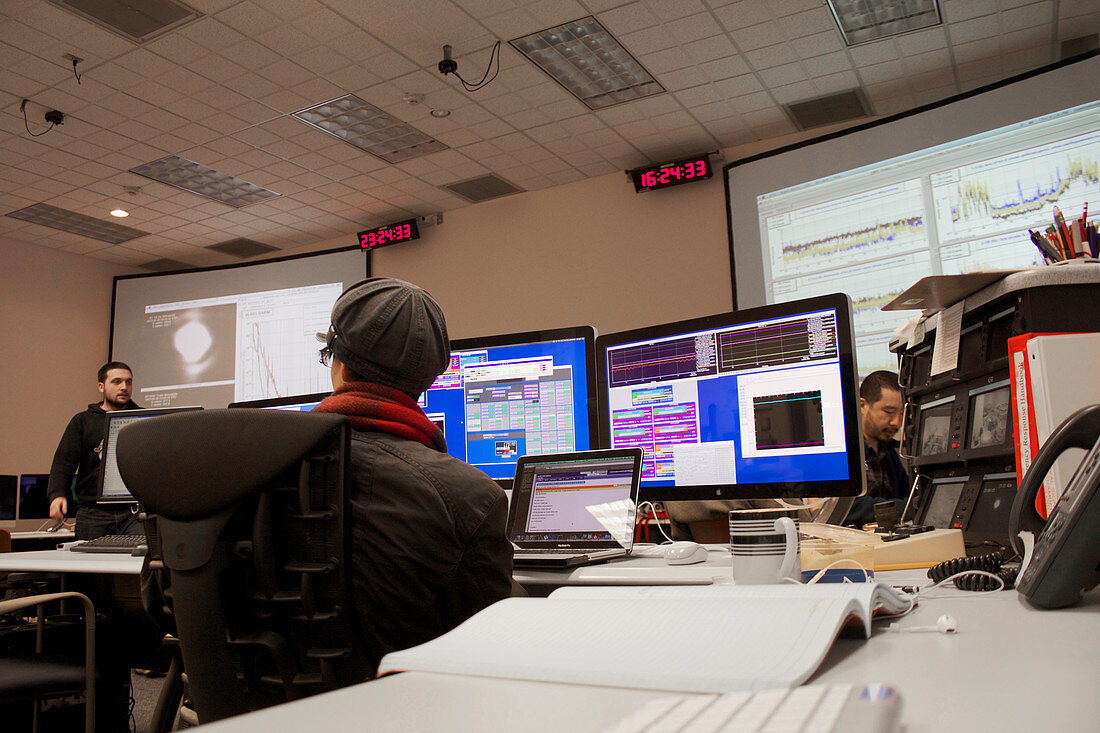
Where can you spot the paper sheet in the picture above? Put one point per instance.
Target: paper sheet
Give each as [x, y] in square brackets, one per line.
[945, 353]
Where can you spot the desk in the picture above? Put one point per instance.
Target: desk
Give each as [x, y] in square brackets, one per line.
[1009, 668]
[632, 570]
[65, 561]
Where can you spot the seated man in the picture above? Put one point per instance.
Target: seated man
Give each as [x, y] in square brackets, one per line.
[428, 544]
[880, 406]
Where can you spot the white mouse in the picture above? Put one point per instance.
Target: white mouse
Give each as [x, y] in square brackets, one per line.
[685, 553]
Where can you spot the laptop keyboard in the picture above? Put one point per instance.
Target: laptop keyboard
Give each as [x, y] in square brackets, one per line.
[121, 543]
[840, 707]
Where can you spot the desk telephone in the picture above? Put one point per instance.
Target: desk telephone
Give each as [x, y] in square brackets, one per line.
[1066, 559]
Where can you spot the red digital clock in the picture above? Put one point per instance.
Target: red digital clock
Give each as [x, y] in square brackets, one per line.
[402, 231]
[664, 175]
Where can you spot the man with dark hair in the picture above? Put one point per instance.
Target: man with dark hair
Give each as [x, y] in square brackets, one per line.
[429, 547]
[880, 406]
[80, 453]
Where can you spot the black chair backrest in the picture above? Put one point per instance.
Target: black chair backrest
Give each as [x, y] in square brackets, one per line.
[247, 547]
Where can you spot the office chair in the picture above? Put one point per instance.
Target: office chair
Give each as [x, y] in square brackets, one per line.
[246, 567]
[44, 675]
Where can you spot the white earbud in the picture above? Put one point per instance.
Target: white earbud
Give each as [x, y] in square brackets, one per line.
[945, 624]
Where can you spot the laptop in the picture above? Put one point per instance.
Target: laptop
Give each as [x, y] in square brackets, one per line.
[571, 509]
[112, 489]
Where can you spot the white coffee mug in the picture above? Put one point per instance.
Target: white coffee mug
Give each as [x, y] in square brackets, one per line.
[764, 546]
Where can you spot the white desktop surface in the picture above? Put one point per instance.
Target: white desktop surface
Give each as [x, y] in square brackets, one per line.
[66, 561]
[1008, 668]
[635, 570]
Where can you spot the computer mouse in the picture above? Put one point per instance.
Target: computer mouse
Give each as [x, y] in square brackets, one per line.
[685, 553]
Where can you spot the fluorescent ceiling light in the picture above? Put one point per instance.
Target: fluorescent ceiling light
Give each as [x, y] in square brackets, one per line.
[861, 21]
[368, 128]
[587, 60]
[79, 224]
[197, 178]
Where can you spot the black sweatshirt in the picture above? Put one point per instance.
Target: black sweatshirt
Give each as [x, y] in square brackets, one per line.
[80, 452]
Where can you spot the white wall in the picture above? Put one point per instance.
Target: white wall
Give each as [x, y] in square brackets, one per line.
[54, 329]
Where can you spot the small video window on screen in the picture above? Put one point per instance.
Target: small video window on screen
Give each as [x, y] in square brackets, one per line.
[935, 429]
[941, 505]
[507, 396]
[989, 418]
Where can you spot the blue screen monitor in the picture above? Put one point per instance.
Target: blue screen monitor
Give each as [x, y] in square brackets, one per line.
[759, 403]
[506, 396]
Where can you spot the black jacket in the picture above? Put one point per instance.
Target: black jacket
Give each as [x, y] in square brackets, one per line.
[428, 541]
[80, 453]
[863, 508]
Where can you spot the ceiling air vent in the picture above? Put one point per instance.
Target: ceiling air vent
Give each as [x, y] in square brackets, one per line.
[829, 109]
[136, 21]
[482, 188]
[166, 265]
[242, 248]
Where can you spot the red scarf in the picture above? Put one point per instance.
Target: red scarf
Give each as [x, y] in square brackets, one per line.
[379, 409]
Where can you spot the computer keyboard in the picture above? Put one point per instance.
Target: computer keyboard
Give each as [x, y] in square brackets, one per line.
[841, 708]
[129, 544]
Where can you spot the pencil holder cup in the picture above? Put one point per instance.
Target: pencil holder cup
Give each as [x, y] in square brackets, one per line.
[764, 546]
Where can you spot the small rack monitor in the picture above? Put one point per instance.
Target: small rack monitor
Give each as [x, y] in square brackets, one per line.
[664, 175]
[965, 422]
[976, 499]
[402, 231]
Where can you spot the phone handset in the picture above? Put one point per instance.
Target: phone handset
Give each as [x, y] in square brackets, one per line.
[1079, 430]
[1064, 563]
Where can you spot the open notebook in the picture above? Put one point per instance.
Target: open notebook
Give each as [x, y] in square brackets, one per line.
[574, 508]
[684, 639]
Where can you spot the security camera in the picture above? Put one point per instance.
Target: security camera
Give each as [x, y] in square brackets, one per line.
[55, 118]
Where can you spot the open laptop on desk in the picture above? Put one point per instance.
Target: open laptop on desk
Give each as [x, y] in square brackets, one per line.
[572, 509]
[112, 489]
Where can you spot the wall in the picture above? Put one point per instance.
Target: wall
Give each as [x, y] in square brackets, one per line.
[54, 327]
[591, 252]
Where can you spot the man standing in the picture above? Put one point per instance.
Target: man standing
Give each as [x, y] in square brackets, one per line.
[429, 547]
[80, 453]
[880, 405]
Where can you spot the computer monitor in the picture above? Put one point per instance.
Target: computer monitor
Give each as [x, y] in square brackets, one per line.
[9, 488]
[298, 403]
[758, 403]
[506, 396]
[112, 489]
[34, 497]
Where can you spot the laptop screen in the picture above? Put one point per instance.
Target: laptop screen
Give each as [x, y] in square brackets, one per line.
[575, 500]
[112, 489]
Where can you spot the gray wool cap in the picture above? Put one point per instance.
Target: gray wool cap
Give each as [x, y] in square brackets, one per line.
[391, 332]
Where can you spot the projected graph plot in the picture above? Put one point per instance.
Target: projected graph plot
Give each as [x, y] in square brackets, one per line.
[788, 421]
[790, 342]
[848, 230]
[672, 359]
[1017, 189]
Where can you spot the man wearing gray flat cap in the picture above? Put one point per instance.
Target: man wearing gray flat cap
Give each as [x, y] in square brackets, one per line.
[427, 530]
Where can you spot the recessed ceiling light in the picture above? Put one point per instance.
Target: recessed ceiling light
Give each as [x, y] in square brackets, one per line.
[197, 178]
[368, 128]
[861, 21]
[120, 213]
[589, 62]
[440, 112]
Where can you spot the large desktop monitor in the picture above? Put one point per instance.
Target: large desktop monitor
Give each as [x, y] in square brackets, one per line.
[760, 403]
[297, 403]
[507, 396]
